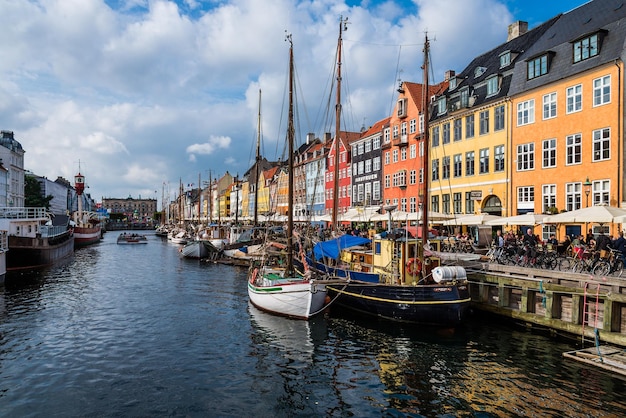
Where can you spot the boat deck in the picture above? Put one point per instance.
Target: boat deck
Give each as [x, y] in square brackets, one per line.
[607, 358]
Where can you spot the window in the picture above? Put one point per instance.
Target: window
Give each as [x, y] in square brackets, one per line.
[395, 155]
[412, 126]
[464, 97]
[601, 190]
[421, 122]
[573, 149]
[376, 142]
[573, 196]
[498, 158]
[435, 168]
[402, 108]
[601, 144]
[549, 153]
[376, 190]
[434, 203]
[376, 164]
[458, 165]
[574, 98]
[526, 112]
[446, 133]
[368, 166]
[445, 168]
[526, 157]
[360, 166]
[505, 59]
[445, 201]
[387, 158]
[386, 136]
[458, 123]
[412, 176]
[498, 116]
[484, 161]
[361, 148]
[469, 126]
[413, 151]
[479, 71]
[435, 136]
[525, 194]
[368, 193]
[421, 175]
[469, 203]
[452, 83]
[403, 154]
[586, 48]
[538, 67]
[492, 85]
[368, 146]
[549, 106]
[484, 122]
[549, 196]
[413, 205]
[469, 163]
[387, 181]
[441, 105]
[458, 202]
[602, 90]
[395, 131]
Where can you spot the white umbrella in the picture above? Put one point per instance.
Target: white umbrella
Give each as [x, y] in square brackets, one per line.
[525, 219]
[600, 214]
[479, 219]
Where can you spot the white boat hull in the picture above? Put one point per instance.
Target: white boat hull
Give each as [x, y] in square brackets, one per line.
[294, 298]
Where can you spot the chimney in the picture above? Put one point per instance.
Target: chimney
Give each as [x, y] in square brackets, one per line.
[7, 134]
[516, 29]
[448, 75]
[309, 138]
[327, 137]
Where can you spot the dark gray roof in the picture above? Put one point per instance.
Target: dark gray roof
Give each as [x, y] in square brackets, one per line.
[591, 17]
[490, 61]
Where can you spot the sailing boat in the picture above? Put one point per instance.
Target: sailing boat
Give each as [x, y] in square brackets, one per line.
[412, 285]
[272, 287]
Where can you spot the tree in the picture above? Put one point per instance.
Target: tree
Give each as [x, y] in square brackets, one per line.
[33, 197]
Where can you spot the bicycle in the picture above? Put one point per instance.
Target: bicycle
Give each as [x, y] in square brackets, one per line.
[613, 264]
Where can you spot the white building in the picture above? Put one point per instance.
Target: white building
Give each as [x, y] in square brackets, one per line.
[12, 158]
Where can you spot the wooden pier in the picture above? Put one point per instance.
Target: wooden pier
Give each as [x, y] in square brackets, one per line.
[609, 359]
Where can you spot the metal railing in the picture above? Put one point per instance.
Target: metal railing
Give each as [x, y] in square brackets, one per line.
[8, 212]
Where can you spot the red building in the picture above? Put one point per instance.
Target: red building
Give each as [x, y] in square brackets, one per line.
[345, 172]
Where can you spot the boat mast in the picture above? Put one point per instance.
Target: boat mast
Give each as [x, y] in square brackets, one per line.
[199, 200]
[290, 139]
[342, 26]
[426, 157]
[258, 161]
[210, 198]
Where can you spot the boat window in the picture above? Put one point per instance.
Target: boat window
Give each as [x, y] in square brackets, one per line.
[377, 248]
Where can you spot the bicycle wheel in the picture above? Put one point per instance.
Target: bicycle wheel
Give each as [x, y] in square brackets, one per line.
[618, 268]
[565, 264]
[602, 268]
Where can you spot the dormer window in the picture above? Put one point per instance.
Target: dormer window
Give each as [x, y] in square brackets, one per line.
[441, 105]
[464, 97]
[538, 65]
[588, 46]
[492, 85]
[479, 71]
[453, 83]
[505, 59]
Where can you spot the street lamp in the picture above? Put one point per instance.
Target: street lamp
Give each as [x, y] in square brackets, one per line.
[587, 185]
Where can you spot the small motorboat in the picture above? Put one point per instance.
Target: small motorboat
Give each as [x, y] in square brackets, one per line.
[126, 238]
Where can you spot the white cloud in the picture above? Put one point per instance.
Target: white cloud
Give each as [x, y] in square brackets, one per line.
[133, 93]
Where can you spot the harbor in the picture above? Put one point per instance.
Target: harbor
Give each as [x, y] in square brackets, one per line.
[163, 335]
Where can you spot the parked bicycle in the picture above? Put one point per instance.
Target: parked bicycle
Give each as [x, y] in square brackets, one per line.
[610, 262]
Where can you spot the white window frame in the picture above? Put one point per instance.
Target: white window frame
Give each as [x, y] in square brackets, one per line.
[573, 196]
[601, 192]
[548, 151]
[526, 156]
[601, 140]
[574, 99]
[526, 112]
[602, 91]
[548, 192]
[549, 106]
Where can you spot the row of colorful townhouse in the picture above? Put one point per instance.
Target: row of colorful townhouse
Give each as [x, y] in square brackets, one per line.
[533, 125]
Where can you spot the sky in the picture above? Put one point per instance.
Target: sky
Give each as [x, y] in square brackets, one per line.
[143, 95]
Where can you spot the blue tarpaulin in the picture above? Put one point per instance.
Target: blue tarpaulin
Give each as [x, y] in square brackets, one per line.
[333, 247]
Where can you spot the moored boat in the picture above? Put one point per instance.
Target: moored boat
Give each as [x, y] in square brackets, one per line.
[35, 238]
[199, 248]
[87, 228]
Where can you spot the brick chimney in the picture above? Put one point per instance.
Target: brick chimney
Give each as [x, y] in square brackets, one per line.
[516, 29]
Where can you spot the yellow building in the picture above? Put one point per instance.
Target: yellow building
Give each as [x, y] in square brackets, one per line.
[470, 131]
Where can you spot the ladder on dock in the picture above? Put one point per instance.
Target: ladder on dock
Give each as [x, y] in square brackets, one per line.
[591, 318]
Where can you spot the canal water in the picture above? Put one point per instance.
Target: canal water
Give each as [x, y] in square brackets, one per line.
[138, 331]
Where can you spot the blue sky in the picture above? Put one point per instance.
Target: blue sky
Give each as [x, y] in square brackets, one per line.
[147, 93]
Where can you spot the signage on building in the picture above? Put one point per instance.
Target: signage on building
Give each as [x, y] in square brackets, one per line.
[476, 194]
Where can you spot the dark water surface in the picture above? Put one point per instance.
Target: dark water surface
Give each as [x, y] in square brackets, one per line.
[138, 331]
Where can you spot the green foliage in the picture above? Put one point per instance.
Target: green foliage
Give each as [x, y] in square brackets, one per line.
[33, 197]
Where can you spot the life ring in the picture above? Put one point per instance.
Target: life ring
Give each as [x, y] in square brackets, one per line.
[255, 273]
[414, 266]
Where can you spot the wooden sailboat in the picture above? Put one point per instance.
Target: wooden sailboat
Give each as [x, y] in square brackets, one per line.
[273, 287]
[398, 279]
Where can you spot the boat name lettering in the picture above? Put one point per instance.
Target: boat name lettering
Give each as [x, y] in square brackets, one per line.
[442, 289]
